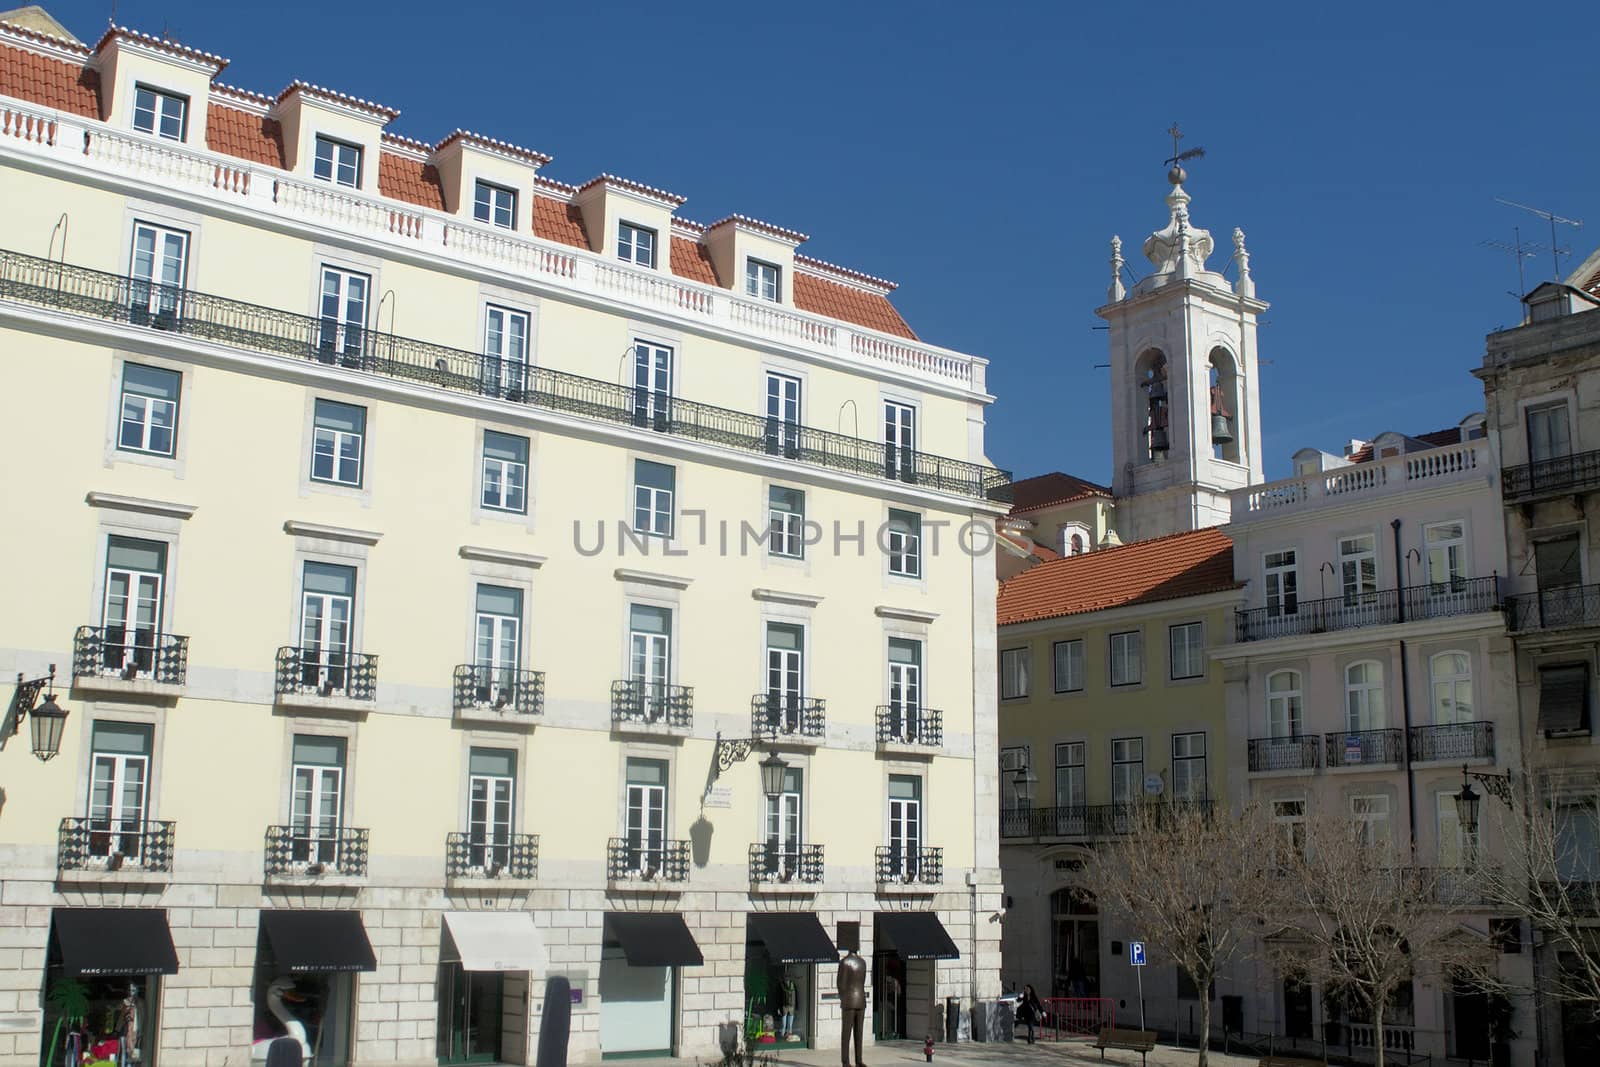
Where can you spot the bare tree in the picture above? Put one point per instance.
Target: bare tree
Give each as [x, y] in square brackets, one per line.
[1191, 881]
[1551, 878]
[1364, 923]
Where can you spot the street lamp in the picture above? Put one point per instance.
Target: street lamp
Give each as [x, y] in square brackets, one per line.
[737, 750]
[46, 721]
[1468, 802]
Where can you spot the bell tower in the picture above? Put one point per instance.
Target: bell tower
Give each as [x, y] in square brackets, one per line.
[1185, 405]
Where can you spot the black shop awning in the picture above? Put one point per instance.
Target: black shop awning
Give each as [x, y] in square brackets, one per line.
[793, 937]
[654, 939]
[916, 935]
[318, 940]
[102, 941]
[1564, 699]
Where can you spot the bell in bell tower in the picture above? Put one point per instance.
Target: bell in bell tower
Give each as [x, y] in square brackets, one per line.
[1185, 405]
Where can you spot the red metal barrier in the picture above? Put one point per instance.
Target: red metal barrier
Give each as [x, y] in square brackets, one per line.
[1077, 1016]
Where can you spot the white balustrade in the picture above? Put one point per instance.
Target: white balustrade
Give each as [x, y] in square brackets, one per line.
[768, 318]
[1457, 462]
[27, 126]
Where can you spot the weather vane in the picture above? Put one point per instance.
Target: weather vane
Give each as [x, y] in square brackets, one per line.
[1177, 158]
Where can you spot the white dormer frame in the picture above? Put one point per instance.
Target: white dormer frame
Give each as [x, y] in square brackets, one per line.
[464, 159]
[607, 201]
[126, 60]
[735, 241]
[306, 112]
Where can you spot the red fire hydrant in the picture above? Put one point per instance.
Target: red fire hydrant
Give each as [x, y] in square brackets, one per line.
[927, 1047]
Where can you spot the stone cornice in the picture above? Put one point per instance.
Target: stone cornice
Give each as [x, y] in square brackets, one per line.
[331, 533]
[502, 557]
[143, 505]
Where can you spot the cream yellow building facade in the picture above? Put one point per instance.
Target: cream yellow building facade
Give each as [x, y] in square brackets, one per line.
[418, 544]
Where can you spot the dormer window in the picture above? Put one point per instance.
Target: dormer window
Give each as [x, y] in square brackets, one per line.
[635, 244]
[496, 206]
[761, 280]
[162, 114]
[337, 162]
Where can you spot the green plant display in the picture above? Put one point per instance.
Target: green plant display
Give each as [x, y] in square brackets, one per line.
[70, 999]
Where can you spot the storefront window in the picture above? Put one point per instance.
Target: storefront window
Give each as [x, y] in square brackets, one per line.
[777, 999]
[313, 1008]
[99, 1021]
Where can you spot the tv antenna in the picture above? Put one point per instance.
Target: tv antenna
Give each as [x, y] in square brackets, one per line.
[1556, 252]
[1521, 250]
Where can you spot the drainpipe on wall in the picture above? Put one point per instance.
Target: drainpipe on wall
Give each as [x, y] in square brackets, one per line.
[1405, 696]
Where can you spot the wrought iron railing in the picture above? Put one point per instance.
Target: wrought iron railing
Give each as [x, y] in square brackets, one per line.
[638, 859]
[317, 850]
[354, 346]
[1069, 820]
[496, 856]
[910, 865]
[1381, 607]
[1581, 896]
[1298, 753]
[776, 716]
[906, 724]
[115, 845]
[504, 689]
[786, 864]
[130, 653]
[327, 673]
[1557, 608]
[634, 700]
[1360, 748]
[1452, 741]
[1555, 476]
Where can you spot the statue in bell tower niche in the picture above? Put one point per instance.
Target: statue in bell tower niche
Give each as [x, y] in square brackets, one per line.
[852, 985]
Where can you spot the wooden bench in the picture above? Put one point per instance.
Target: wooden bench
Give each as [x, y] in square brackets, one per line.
[1140, 1041]
[1287, 1061]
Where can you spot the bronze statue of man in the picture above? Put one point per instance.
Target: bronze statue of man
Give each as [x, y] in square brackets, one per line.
[852, 985]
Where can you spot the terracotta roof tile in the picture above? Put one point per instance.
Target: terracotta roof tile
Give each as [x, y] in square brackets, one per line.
[1434, 439]
[1048, 490]
[1164, 568]
[244, 135]
[692, 260]
[49, 82]
[1023, 543]
[410, 180]
[822, 297]
[557, 221]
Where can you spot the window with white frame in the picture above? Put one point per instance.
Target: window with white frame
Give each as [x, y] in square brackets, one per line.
[1446, 543]
[1370, 813]
[783, 825]
[905, 825]
[1284, 719]
[1127, 657]
[783, 414]
[505, 472]
[1186, 644]
[1549, 436]
[1363, 697]
[761, 280]
[327, 620]
[497, 655]
[1015, 667]
[1280, 583]
[1289, 820]
[905, 543]
[337, 162]
[1450, 675]
[1127, 769]
[786, 520]
[342, 322]
[785, 669]
[495, 205]
[491, 804]
[654, 485]
[160, 113]
[1358, 567]
[650, 657]
[1070, 783]
[899, 441]
[905, 689]
[149, 419]
[316, 804]
[505, 352]
[635, 244]
[652, 385]
[645, 825]
[338, 436]
[1189, 766]
[1068, 657]
[119, 788]
[136, 578]
[156, 271]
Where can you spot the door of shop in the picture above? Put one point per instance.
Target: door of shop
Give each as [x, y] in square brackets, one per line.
[1075, 940]
[1297, 1021]
[469, 1014]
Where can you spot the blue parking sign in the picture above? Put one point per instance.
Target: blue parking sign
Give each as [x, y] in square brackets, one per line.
[1136, 953]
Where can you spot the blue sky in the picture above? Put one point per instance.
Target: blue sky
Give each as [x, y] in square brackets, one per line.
[982, 155]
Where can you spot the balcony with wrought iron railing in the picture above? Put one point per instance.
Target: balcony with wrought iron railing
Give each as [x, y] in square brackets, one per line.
[909, 868]
[97, 849]
[1461, 463]
[1454, 742]
[479, 859]
[129, 660]
[646, 863]
[788, 718]
[325, 678]
[1379, 607]
[359, 349]
[907, 729]
[1277, 754]
[310, 852]
[1561, 607]
[498, 694]
[641, 706]
[1088, 822]
[1364, 748]
[1575, 473]
[785, 866]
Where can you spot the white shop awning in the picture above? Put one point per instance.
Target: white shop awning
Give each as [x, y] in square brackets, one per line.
[495, 940]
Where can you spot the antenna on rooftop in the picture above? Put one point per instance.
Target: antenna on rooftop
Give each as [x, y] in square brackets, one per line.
[1556, 252]
[1521, 250]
